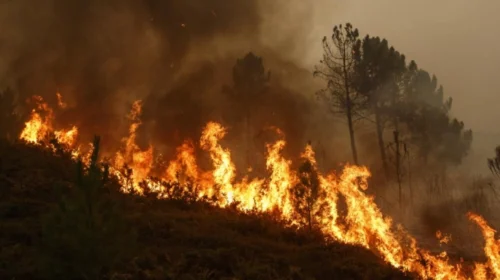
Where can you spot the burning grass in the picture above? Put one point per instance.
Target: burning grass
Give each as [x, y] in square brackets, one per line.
[174, 238]
[362, 225]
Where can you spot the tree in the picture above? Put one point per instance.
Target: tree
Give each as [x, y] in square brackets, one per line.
[250, 81]
[10, 122]
[86, 233]
[379, 69]
[494, 163]
[307, 193]
[337, 68]
[426, 116]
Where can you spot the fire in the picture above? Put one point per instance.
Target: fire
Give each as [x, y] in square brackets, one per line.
[443, 239]
[132, 157]
[224, 171]
[60, 101]
[184, 167]
[362, 224]
[491, 247]
[40, 126]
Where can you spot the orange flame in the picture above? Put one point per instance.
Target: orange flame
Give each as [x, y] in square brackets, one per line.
[39, 127]
[362, 224]
[60, 101]
[140, 162]
[491, 247]
[443, 239]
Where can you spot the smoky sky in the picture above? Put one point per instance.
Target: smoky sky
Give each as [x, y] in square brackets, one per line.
[454, 39]
[176, 56]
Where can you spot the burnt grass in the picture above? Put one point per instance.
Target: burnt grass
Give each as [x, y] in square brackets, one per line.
[170, 239]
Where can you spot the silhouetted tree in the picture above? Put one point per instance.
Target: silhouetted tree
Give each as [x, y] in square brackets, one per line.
[86, 234]
[307, 193]
[425, 113]
[10, 121]
[250, 81]
[494, 163]
[379, 69]
[337, 68]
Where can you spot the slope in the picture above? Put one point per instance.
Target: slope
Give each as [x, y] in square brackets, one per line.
[171, 239]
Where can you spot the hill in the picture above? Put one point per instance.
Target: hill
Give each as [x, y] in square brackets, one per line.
[165, 239]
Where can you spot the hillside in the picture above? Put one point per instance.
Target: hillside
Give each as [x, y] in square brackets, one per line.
[161, 239]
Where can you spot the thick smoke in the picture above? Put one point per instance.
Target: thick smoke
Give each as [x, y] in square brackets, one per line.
[174, 55]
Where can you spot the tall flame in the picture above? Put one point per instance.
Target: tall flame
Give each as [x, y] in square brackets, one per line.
[362, 224]
[137, 160]
[40, 125]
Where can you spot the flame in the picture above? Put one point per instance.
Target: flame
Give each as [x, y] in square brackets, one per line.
[491, 247]
[184, 167]
[60, 101]
[138, 161]
[443, 239]
[362, 224]
[40, 125]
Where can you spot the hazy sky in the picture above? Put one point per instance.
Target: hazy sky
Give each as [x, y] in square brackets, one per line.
[457, 40]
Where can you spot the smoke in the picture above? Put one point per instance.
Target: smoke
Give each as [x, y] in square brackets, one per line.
[174, 55]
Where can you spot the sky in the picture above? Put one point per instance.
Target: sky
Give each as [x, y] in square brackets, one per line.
[454, 39]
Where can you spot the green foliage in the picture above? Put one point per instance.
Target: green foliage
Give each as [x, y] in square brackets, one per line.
[85, 235]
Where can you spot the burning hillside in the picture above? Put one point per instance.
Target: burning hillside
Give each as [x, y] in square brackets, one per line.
[304, 198]
[157, 81]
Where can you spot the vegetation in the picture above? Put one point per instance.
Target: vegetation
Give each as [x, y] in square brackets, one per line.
[250, 81]
[337, 68]
[307, 193]
[368, 80]
[46, 223]
[9, 119]
[61, 220]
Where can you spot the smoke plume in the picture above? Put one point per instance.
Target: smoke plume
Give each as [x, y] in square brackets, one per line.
[174, 55]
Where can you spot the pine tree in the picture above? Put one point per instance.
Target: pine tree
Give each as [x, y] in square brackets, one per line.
[307, 194]
[85, 236]
[337, 68]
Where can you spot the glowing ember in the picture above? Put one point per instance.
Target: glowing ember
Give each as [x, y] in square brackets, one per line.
[443, 239]
[60, 101]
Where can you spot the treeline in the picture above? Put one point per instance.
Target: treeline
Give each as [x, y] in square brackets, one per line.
[366, 81]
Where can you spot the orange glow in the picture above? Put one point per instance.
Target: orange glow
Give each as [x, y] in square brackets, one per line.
[362, 224]
[60, 101]
[443, 239]
[40, 125]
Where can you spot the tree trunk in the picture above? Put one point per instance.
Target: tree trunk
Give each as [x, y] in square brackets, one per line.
[247, 140]
[398, 168]
[381, 144]
[409, 180]
[351, 135]
[349, 110]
